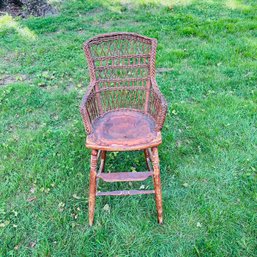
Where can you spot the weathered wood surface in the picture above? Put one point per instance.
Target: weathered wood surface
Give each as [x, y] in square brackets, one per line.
[125, 192]
[125, 176]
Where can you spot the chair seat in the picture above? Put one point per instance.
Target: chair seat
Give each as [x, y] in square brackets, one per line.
[123, 130]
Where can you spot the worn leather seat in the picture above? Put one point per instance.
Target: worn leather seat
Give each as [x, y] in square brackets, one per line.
[123, 130]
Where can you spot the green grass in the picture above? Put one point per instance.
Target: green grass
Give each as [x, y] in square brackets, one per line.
[208, 156]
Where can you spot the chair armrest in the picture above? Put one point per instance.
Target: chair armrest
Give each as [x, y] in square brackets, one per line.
[88, 108]
[157, 105]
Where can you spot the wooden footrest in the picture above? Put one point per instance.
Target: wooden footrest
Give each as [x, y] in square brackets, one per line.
[126, 192]
[125, 176]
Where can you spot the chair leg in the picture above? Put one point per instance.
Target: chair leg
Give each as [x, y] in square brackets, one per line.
[146, 158]
[157, 183]
[103, 158]
[92, 187]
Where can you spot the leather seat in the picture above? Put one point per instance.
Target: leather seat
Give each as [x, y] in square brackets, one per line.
[123, 130]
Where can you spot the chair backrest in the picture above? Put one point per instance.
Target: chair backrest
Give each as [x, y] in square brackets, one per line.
[121, 65]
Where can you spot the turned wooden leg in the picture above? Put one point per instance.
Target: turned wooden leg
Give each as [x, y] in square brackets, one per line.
[147, 159]
[103, 158]
[92, 187]
[157, 183]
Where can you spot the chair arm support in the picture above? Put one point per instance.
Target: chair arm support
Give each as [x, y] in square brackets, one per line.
[157, 105]
[88, 108]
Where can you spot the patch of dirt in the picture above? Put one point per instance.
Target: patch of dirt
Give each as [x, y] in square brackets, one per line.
[25, 8]
[94, 11]
[127, 5]
[8, 79]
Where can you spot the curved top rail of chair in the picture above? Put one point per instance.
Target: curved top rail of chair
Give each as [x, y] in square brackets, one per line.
[103, 37]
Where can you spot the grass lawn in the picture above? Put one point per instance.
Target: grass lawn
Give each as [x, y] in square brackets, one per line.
[207, 70]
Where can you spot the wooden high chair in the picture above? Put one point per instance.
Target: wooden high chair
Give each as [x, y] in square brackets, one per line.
[123, 110]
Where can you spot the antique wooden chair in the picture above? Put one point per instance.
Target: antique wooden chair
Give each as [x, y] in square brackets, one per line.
[123, 110]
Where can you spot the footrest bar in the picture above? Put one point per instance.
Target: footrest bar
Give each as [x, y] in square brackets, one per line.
[126, 192]
[125, 176]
